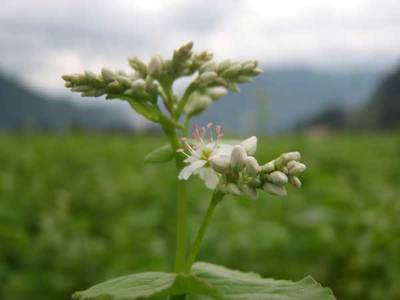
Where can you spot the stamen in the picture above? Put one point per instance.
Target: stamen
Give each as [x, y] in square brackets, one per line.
[193, 152]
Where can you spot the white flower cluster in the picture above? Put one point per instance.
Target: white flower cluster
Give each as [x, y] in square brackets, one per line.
[232, 169]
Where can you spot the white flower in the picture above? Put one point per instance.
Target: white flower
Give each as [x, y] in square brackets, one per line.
[211, 159]
[203, 149]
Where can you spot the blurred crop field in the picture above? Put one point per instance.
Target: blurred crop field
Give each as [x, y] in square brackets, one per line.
[79, 209]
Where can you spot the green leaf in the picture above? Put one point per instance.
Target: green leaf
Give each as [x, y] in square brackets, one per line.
[205, 279]
[234, 285]
[154, 285]
[146, 110]
[160, 155]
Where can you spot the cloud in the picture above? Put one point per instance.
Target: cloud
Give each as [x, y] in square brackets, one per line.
[42, 39]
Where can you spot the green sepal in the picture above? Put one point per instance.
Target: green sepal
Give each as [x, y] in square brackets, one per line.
[160, 155]
[205, 279]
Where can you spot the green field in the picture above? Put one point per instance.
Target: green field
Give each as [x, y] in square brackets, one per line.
[78, 209]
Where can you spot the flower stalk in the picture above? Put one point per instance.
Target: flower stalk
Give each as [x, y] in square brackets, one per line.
[216, 198]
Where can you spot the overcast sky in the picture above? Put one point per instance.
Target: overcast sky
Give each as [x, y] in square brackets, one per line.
[42, 39]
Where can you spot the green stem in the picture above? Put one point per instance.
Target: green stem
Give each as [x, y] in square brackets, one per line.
[181, 210]
[181, 227]
[216, 198]
[186, 124]
[183, 101]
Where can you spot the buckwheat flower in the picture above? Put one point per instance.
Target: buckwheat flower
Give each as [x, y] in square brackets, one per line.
[214, 161]
[204, 148]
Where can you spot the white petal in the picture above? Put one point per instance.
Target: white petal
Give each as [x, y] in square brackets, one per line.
[238, 157]
[250, 145]
[210, 177]
[224, 149]
[191, 159]
[221, 164]
[187, 171]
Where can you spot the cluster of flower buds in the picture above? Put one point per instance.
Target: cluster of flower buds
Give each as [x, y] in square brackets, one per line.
[243, 174]
[152, 81]
[232, 169]
[215, 80]
[114, 84]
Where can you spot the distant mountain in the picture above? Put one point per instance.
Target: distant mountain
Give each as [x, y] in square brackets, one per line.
[279, 99]
[21, 108]
[382, 111]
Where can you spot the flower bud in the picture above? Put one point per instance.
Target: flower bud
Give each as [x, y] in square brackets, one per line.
[278, 177]
[232, 70]
[183, 53]
[156, 66]
[81, 88]
[221, 164]
[208, 66]
[138, 66]
[249, 66]
[90, 76]
[115, 86]
[274, 189]
[138, 85]
[108, 75]
[286, 157]
[151, 85]
[250, 145]
[238, 157]
[224, 65]
[207, 77]
[233, 189]
[125, 81]
[197, 104]
[252, 166]
[216, 92]
[268, 167]
[295, 167]
[233, 87]
[244, 79]
[295, 181]
[256, 71]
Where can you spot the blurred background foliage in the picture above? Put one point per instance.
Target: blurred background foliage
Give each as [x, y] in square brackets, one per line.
[77, 209]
